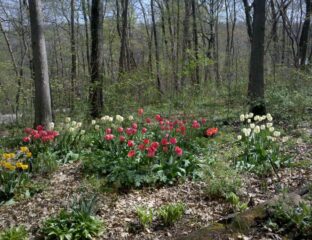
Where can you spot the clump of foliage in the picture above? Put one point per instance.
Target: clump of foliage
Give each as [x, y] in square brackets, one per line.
[261, 150]
[171, 213]
[15, 233]
[296, 221]
[78, 223]
[45, 163]
[145, 216]
[222, 181]
[14, 172]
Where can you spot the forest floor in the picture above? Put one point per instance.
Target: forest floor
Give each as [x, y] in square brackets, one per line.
[117, 210]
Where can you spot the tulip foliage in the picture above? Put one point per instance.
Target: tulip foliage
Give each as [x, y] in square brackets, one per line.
[143, 150]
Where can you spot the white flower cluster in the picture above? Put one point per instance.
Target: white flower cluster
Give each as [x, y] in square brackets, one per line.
[72, 126]
[248, 117]
[254, 128]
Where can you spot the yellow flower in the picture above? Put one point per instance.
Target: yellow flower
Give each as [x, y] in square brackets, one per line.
[29, 154]
[24, 166]
[24, 149]
[7, 156]
[9, 166]
[21, 165]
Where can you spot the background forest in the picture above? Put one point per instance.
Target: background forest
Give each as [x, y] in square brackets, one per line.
[177, 53]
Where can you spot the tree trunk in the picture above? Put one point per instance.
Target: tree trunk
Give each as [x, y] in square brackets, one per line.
[303, 43]
[96, 88]
[186, 42]
[195, 37]
[73, 51]
[85, 17]
[256, 67]
[123, 61]
[158, 83]
[43, 111]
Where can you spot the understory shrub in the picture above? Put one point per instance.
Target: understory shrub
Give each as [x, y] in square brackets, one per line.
[78, 223]
[222, 181]
[145, 216]
[295, 221]
[15, 233]
[169, 214]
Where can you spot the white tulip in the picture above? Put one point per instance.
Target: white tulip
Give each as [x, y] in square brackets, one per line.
[256, 118]
[97, 127]
[250, 115]
[130, 118]
[93, 122]
[242, 117]
[276, 134]
[73, 123]
[271, 129]
[111, 119]
[79, 124]
[67, 119]
[252, 125]
[119, 118]
[257, 129]
[82, 132]
[249, 121]
[262, 127]
[239, 137]
[51, 125]
[285, 139]
[71, 129]
[269, 125]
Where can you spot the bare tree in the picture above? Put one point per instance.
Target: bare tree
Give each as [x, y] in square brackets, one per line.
[73, 50]
[256, 67]
[303, 42]
[96, 88]
[43, 111]
[158, 82]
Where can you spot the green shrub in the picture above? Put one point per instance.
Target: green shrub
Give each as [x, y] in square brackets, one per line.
[169, 214]
[221, 181]
[15, 233]
[72, 225]
[296, 221]
[78, 223]
[145, 216]
[45, 162]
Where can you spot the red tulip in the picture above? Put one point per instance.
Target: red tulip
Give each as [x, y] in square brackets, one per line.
[26, 139]
[173, 140]
[148, 120]
[108, 131]
[131, 153]
[122, 138]
[130, 143]
[140, 111]
[178, 150]
[109, 137]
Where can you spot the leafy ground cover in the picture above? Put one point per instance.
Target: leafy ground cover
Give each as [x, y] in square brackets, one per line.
[154, 177]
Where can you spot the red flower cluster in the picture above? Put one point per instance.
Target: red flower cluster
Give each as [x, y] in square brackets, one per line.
[137, 136]
[210, 132]
[39, 134]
